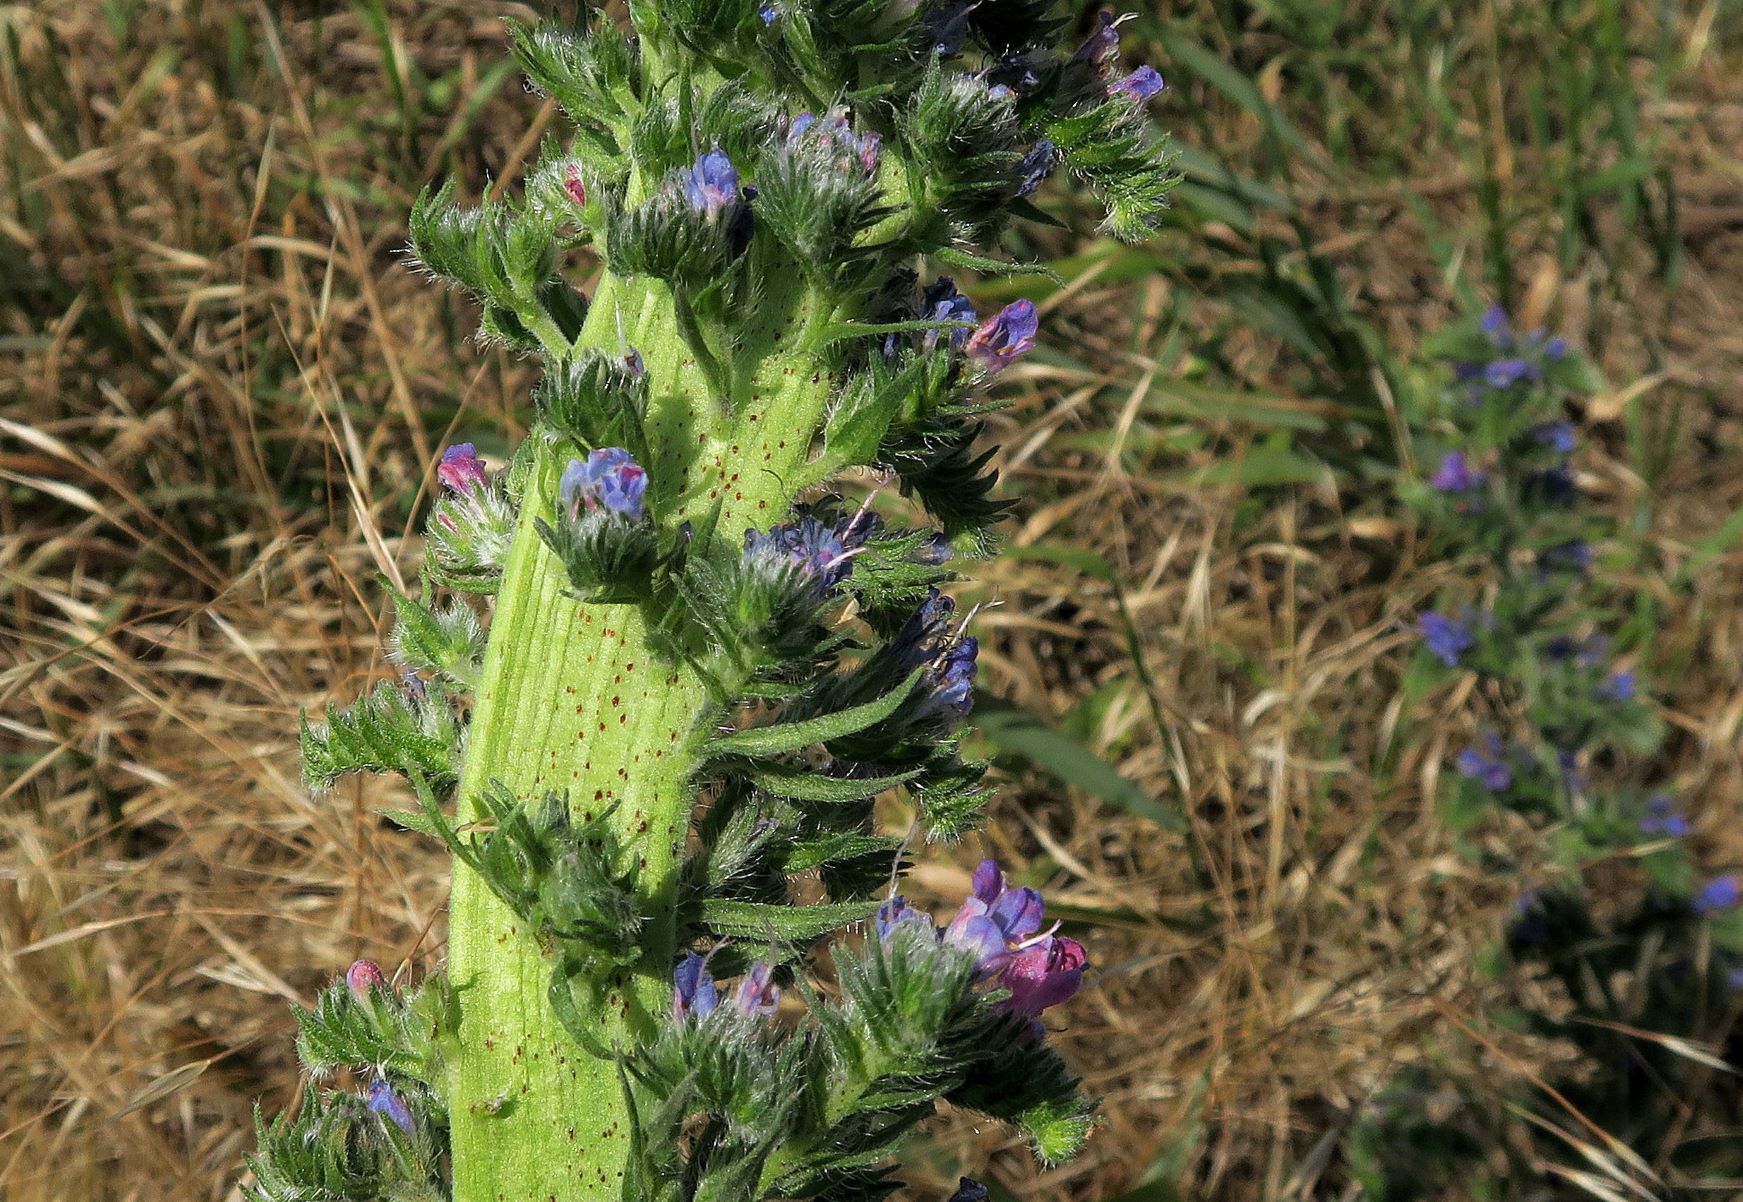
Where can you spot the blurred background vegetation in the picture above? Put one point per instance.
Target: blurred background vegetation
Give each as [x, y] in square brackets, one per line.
[220, 392]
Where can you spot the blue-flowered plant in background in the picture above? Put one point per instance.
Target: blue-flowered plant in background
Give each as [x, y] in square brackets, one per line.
[1618, 908]
[660, 671]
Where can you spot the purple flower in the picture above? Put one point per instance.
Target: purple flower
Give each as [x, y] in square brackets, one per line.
[1496, 327]
[1573, 556]
[1662, 818]
[1036, 166]
[1555, 350]
[935, 551]
[1001, 338]
[757, 995]
[711, 186]
[608, 479]
[1141, 85]
[866, 149]
[363, 977]
[1455, 474]
[897, 913]
[1102, 46]
[1504, 373]
[693, 992]
[942, 302]
[1044, 973]
[818, 551]
[1446, 638]
[384, 1101]
[1557, 436]
[951, 682]
[1618, 686]
[994, 919]
[1567, 763]
[969, 1190]
[1487, 764]
[1552, 486]
[461, 470]
[947, 27]
[1720, 893]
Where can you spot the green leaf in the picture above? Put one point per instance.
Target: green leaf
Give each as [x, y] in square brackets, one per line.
[758, 920]
[784, 738]
[820, 786]
[830, 849]
[413, 820]
[1019, 733]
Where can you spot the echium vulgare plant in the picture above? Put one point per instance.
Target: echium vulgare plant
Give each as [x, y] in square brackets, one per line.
[1639, 942]
[657, 769]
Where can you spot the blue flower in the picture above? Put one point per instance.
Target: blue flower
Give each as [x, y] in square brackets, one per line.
[1504, 373]
[1446, 638]
[1557, 436]
[942, 302]
[1141, 85]
[969, 1190]
[1552, 486]
[1662, 818]
[897, 913]
[1009, 333]
[817, 550]
[1455, 474]
[1519, 358]
[951, 694]
[1573, 556]
[384, 1101]
[1496, 327]
[711, 186]
[1488, 764]
[1618, 686]
[1036, 166]
[608, 479]
[935, 551]
[693, 991]
[995, 919]
[770, 13]
[1720, 893]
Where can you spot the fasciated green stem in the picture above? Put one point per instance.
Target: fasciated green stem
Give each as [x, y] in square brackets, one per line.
[574, 698]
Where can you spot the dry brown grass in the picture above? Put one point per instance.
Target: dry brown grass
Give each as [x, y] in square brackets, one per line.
[219, 391]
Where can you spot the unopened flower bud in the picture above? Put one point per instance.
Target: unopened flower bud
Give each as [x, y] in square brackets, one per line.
[757, 994]
[364, 976]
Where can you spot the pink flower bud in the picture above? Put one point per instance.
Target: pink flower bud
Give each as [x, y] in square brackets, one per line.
[461, 470]
[363, 976]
